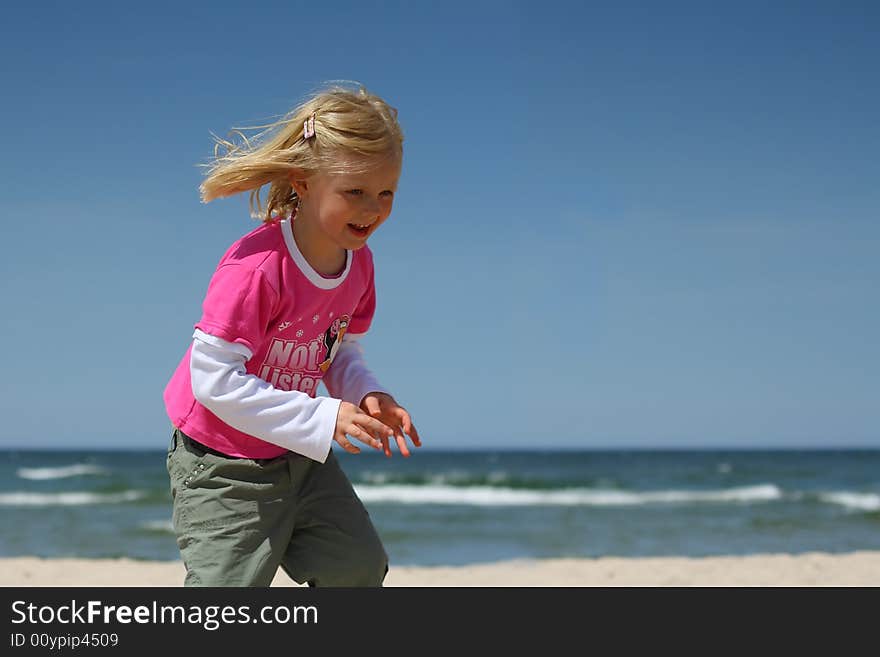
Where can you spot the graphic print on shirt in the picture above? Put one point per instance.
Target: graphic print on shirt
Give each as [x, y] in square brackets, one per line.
[333, 338]
[295, 365]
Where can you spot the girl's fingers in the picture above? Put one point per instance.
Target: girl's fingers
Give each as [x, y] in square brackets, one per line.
[346, 445]
[373, 407]
[363, 435]
[401, 443]
[367, 428]
[414, 435]
[399, 436]
[375, 427]
[409, 428]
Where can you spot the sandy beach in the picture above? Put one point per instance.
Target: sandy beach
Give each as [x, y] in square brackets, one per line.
[811, 569]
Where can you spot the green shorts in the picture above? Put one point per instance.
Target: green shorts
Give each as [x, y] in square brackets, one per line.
[237, 520]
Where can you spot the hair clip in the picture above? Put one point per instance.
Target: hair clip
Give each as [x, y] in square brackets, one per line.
[309, 127]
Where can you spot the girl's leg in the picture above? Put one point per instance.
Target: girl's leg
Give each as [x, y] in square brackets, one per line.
[232, 516]
[334, 542]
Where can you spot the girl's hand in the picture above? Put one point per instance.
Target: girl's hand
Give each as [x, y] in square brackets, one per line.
[383, 407]
[360, 426]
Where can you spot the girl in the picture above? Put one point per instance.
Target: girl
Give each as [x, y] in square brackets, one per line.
[254, 481]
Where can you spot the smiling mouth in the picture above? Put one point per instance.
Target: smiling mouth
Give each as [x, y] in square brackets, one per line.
[361, 230]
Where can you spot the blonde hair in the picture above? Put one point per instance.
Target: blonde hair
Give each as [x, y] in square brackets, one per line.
[354, 130]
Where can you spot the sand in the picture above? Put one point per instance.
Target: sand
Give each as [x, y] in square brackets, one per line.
[812, 569]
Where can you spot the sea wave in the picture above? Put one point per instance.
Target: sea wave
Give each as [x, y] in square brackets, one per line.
[450, 477]
[494, 496]
[72, 498]
[75, 470]
[164, 526]
[853, 501]
[464, 479]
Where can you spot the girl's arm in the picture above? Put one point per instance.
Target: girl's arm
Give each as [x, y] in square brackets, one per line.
[290, 419]
[349, 378]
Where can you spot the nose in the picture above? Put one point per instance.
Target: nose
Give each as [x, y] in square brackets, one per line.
[373, 209]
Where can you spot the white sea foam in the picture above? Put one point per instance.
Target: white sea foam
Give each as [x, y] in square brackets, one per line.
[73, 498]
[62, 472]
[159, 526]
[451, 477]
[377, 478]
[498, 477]
[853, 501]
[494, 496]
[443, 478]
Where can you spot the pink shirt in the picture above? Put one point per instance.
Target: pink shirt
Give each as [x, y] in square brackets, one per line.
[267, 298]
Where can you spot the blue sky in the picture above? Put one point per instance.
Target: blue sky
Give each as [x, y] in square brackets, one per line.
[618, 225]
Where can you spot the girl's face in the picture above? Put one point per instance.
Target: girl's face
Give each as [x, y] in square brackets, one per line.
[341, 211]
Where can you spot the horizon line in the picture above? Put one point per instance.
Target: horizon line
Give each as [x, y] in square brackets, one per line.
[504, 448]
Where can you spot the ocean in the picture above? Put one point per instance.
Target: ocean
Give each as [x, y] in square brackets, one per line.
[464, 507]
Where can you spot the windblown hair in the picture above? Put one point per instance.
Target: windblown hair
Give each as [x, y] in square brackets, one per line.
[354, 130]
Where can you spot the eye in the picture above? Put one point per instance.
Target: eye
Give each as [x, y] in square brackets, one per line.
[355, 192]
[387, 193]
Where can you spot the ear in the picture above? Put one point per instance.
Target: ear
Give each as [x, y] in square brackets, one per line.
[300, 183]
